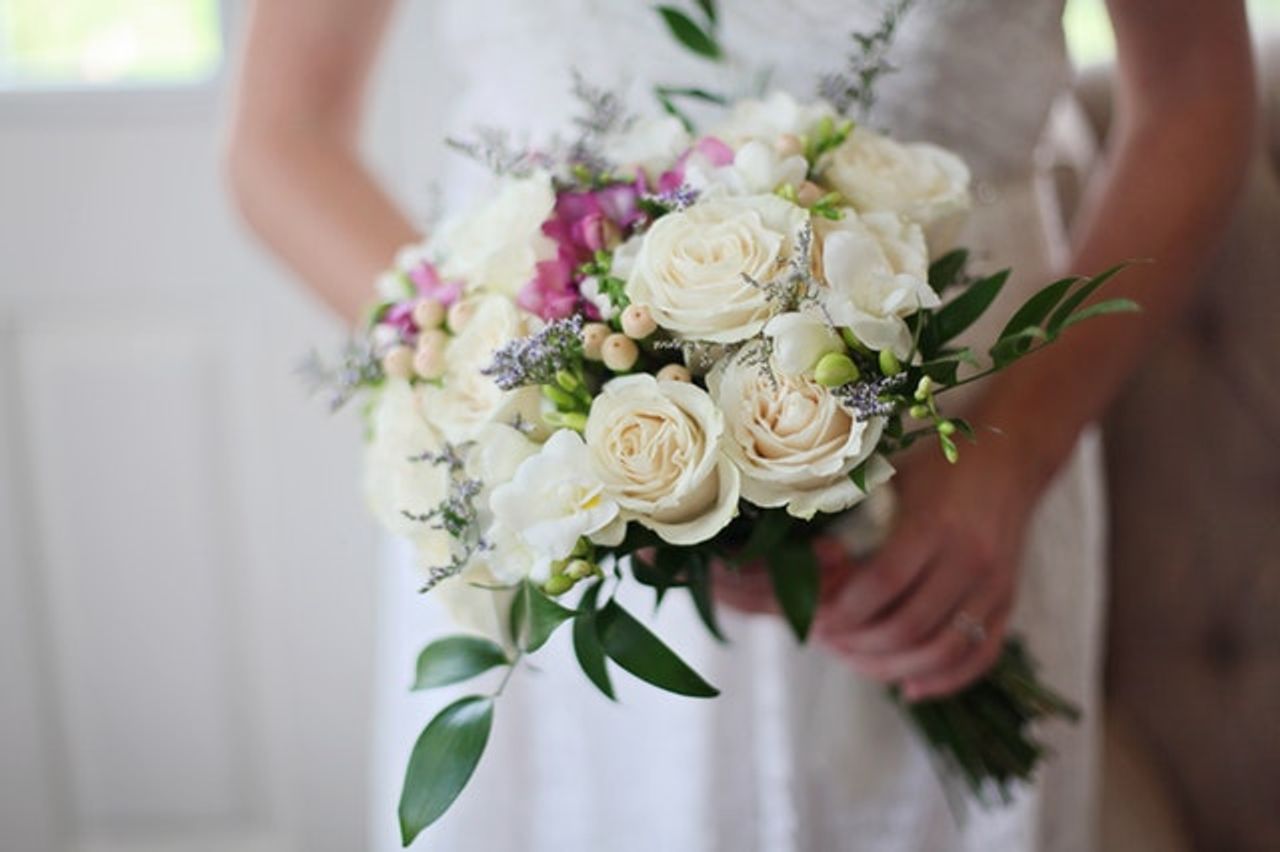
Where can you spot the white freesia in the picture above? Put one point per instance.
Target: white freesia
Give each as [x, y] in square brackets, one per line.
[877, 274]
[771, 117]
[690, 270]
[925, 183]
[793, 441]
[466, 399]
[800, 339]
[553, 500]
[652, 144]
[757, 168]
[657, 447]
[497, 245]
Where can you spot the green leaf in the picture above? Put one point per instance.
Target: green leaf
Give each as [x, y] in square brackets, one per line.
[442, 762]
[947, 269]
[794, 572]
[1036, 308]
[689, 33]
[695, 93]
[1012, 347]
[859, 475]
[769, 531]
[586, 644]
[534, 617]
[699, 581]
[456, 658]
[708, 8]
[1097, 309]
[1076, 299]
[630, 644]
[961, 312]
[964, 427]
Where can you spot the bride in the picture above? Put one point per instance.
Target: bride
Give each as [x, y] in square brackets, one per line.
[802, 751]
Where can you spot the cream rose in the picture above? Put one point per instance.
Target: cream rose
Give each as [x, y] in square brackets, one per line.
[497, 246]
[925, 183]
[689, 270]
[877, 274]
[466, 399]
[768, 118]
[657, 448]
[793, 441]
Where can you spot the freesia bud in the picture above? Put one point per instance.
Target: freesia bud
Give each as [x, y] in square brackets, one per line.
[889, 364]
[924, 388]
[558, 585]
[835, 369]
[919, 412]
[946, 427]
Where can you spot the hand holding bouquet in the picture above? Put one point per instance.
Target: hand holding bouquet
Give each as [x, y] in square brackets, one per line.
[651, 350]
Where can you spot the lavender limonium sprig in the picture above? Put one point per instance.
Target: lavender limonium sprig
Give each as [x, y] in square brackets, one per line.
[536, 359]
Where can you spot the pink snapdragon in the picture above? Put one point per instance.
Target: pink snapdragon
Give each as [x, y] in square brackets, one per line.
[714, 150]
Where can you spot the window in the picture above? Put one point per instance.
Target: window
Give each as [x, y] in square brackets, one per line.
[77, 43]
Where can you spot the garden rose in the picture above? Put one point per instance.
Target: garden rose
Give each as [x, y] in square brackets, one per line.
[690, 269]
[657, 448]
[792, 440]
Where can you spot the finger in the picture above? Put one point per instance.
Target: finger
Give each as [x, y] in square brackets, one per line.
[875, 584]
[919, 614]
[951, 679]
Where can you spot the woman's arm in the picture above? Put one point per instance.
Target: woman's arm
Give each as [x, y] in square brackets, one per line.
[1185, 104]
[293, 159]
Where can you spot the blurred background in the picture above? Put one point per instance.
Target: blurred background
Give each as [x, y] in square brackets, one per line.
[186, 571]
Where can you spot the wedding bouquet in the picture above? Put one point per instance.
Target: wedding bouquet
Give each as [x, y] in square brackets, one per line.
[652, 349]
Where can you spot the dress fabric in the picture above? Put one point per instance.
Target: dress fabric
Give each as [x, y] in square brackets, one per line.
[797, 754]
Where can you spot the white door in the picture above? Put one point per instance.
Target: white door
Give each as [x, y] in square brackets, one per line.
[185, 571]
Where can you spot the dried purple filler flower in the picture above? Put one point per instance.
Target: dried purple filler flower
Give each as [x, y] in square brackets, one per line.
[535, 360]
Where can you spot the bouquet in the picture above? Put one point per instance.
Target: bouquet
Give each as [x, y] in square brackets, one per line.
[652, 348]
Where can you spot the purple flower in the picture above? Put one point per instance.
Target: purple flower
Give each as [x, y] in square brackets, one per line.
[551, 294]
[425, 277]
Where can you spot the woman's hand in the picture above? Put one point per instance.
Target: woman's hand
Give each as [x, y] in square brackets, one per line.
[930, 609]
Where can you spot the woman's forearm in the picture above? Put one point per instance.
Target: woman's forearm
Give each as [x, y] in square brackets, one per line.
[1162, 199]
[320, 210]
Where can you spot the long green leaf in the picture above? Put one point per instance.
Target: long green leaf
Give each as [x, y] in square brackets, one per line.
[769, 531]
[456, 658]
[534, 617]
[708, 8]
[1036, 308]
[795, 576]
[442, 762]
[1097, 309]
[586, 644]
[961, 312]
[1077, 297]
[944, 271]
[630, 644]
[699, 580]
[689, 33]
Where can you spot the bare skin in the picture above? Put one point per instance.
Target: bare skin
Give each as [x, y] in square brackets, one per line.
[1185, 118]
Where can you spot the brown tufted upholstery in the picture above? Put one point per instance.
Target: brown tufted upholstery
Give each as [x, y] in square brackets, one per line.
[1194, 466]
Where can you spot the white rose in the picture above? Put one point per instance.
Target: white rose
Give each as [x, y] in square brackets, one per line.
[689, 271]
[497, 246]
[553, 500]
[925, 183]
[466, 399]
[771, 117]
[657, 447]
[877, 274]
[800, 339]
[756, 169]
[793, 441]
[652, 144]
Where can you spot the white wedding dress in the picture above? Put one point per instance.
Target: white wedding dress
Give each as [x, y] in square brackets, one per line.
[797, 753]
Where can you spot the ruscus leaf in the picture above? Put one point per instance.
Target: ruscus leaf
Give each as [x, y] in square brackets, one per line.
[630, 644]
[535, 617]
[586, 644]
[944, 271]
[688, 33]
[796, 579]
[442, 762]
[456, 658]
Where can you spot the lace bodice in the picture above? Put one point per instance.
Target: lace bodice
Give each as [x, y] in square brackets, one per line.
[978, 76]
